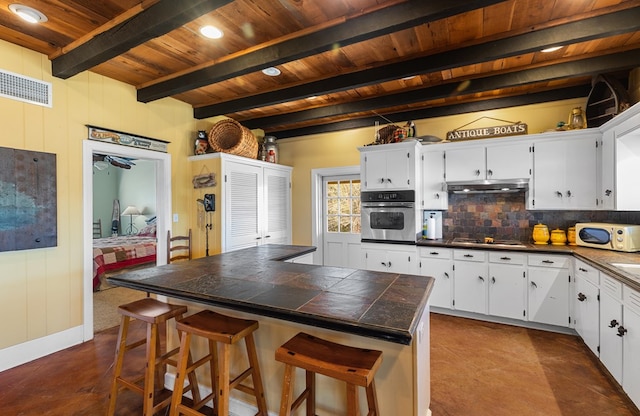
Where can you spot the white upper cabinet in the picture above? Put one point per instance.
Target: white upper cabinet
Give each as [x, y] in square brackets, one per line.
[390, 166]
[434, 195]
[565, 171]
[620, 161]
[501, 159]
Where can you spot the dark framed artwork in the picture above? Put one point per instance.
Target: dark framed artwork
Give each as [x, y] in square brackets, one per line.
[28, 200]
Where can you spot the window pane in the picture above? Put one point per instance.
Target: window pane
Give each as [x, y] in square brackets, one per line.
[345, 224]
[345, 189]
[355, 206]
[345, 207]
[356, 225]
[332, 206]
[355, 189]
[332, 224]
[332, 189]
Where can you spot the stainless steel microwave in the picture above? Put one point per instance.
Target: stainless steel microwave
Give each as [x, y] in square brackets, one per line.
[618, 237]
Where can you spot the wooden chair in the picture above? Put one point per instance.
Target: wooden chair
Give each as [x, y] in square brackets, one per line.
[178, 247]
[226, 331]
[355, 366]
[97, 228]
[154, 313]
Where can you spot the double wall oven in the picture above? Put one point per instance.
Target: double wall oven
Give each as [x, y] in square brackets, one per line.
[389, 216]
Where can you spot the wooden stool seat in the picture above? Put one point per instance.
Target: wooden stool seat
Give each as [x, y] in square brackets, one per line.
[227, 331]
[355, 366]
[154, 313]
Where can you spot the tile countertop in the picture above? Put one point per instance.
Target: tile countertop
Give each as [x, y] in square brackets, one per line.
[598, 258]
[380, 305]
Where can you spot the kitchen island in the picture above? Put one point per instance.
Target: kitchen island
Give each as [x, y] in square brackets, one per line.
[383, 311]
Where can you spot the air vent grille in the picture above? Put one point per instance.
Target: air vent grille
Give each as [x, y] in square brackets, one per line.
[21, 88]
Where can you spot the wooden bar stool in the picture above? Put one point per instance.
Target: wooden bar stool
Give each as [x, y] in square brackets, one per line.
[154, 313]
[355, 366]
[226, 330]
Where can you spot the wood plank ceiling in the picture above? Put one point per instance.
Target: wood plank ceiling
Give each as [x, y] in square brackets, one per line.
[343, 63]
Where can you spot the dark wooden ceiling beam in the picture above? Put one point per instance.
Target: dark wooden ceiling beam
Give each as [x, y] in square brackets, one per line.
[472, 107]
[571, 33]
[590, 66]
[368, 26]
[157, 20]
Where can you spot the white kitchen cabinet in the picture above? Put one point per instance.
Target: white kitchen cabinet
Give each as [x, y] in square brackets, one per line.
[586, 311]
[606, 178]
[394, 258]
[470, 273]
[610, 321]
[256, 204]
[507, 283]
[495, 161]
[436, 262]
[630, 333]
[565, 171]
[548, 289]
[390, 166]
[434, 195]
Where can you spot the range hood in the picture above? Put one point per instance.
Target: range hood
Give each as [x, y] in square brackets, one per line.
[488, 186]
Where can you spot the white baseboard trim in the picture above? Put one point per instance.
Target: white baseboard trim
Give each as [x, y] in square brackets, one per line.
[236, 407]
[31, 350]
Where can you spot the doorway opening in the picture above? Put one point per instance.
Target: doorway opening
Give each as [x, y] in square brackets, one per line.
[162, 162]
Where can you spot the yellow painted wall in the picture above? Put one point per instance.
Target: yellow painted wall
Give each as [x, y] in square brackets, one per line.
[340, 148]
[41, 291]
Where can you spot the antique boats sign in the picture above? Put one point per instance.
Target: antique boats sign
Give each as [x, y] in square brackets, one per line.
[487, 132]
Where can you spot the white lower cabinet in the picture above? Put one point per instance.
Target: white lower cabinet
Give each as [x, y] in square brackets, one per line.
[470, 273]
[548, 289]
[610, 321]
[629, 331]
[436, 262]
[586, 311]
[394, 258]
[507, 279]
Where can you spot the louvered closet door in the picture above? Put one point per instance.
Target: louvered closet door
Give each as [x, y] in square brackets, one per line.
[278, 207]
[243, 203]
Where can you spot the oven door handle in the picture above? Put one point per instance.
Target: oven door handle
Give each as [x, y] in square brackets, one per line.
[388, 205]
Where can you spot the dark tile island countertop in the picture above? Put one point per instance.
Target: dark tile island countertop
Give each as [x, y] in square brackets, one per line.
[257, 280]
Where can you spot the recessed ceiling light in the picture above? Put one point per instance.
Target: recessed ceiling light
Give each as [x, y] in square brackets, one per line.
[552, 49]
[211, 32]
[408, 78]
[312, 97]
[271, 71]
[27, 13]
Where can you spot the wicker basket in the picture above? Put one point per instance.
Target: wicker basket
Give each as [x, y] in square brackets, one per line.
[229, 136]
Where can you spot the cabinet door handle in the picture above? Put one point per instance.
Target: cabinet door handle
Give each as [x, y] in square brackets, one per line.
[481, 278]
[389, 180]
[384, 264]
[613, 323]
[621, 331]
[437, 196]
[493, 280]
[489, 172]
[434, 253]
[569, 194]
[446, 275]
[583, 269]
[267, 236]
[381, 180]
[533, 284]
[559, 194]
[477, 172]
[505, 258]
[581, 297]
[547, 261]
[389, 264]
[468, 255]
[608, 192]
[258, 238]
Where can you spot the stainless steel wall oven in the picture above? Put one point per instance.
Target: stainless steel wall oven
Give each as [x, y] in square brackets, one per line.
[388, 216]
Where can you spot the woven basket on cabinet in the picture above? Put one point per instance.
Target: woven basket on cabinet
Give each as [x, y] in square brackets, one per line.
[229, 136]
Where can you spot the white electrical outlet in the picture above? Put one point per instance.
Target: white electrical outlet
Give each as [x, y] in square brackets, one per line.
[175, 217]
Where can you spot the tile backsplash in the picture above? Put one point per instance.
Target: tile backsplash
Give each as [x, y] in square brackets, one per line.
[503, 216]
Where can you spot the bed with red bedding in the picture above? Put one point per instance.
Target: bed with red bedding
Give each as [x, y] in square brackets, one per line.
[118, 253]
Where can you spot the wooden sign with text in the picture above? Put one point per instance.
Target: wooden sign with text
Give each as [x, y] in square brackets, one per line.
[487, 132]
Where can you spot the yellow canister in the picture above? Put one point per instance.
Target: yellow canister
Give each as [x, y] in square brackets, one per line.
[558, 237]
[540, 234]
[571, 236]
